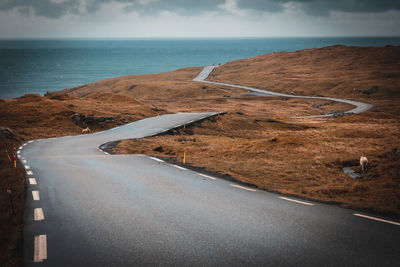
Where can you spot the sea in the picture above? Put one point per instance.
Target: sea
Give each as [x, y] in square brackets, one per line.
[38, 66]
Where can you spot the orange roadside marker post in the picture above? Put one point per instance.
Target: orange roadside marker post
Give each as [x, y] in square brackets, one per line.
[184, 155]
[15, 161]
[8, 156]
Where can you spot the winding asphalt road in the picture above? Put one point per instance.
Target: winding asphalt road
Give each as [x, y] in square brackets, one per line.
[359, 106]
[87, 208]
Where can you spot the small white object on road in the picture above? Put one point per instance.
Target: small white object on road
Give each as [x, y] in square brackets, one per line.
[40, 252]
[242, 187]
[24, 161]
[29, 172]
[35, 195]
[38, 214]
[32, 181]
[297, 201]
[376, 219]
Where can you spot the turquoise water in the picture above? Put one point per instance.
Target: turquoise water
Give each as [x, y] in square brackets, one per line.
[37, 66]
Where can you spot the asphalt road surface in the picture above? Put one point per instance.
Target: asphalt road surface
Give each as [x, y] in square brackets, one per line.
[359, 106]
[87, 208]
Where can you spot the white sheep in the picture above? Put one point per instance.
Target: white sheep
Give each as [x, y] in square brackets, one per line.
[86, 130]
[363, 163]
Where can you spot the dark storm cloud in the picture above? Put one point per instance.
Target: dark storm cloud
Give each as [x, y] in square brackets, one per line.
[43, 8]
[323, 7]
[56, 9]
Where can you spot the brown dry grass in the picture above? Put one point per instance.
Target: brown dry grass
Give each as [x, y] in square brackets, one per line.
[11, 224]
[329, 71]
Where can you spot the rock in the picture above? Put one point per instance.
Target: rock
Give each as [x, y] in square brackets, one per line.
[338, 113]
[82, 120]
[370, 91]
[7, 133]
[158, 149]
[76, 118]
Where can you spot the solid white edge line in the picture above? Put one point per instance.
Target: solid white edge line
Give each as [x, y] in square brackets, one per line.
[106, 153]
[32, 181]
[29, 172]
[179, 167]
[156, 159]
[20, 148]
[210, 177]
[35, 195]
[297, 201]
[376, 219]
[38, 214]
[30, 141]
[40, 250]
[242, 187]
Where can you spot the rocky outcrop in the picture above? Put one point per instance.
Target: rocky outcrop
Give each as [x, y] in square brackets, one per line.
[7, 133]
[83, 120]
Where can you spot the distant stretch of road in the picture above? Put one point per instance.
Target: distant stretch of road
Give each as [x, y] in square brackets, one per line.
[359, 106]
[87, 208]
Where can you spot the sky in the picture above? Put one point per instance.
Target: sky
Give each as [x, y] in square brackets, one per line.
[197, 18]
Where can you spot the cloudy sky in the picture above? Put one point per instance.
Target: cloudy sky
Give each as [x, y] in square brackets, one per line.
[197, 18]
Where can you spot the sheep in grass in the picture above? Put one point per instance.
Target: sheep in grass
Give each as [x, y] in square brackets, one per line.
[363, 163]
[86, 130]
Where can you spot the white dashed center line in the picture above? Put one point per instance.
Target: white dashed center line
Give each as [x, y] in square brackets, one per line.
[35, 195]
[40, 252]
[242, 187]
[20, 148]
[18, 152]
[210, 177]
[376, 219]
[297, 201]
[32, 181]
[179, 167]
[156, 159]
[38, 214]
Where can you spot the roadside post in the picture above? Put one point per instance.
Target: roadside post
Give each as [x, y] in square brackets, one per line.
[184, 155]
[15, 161]
[9, 192]
[8, 156]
